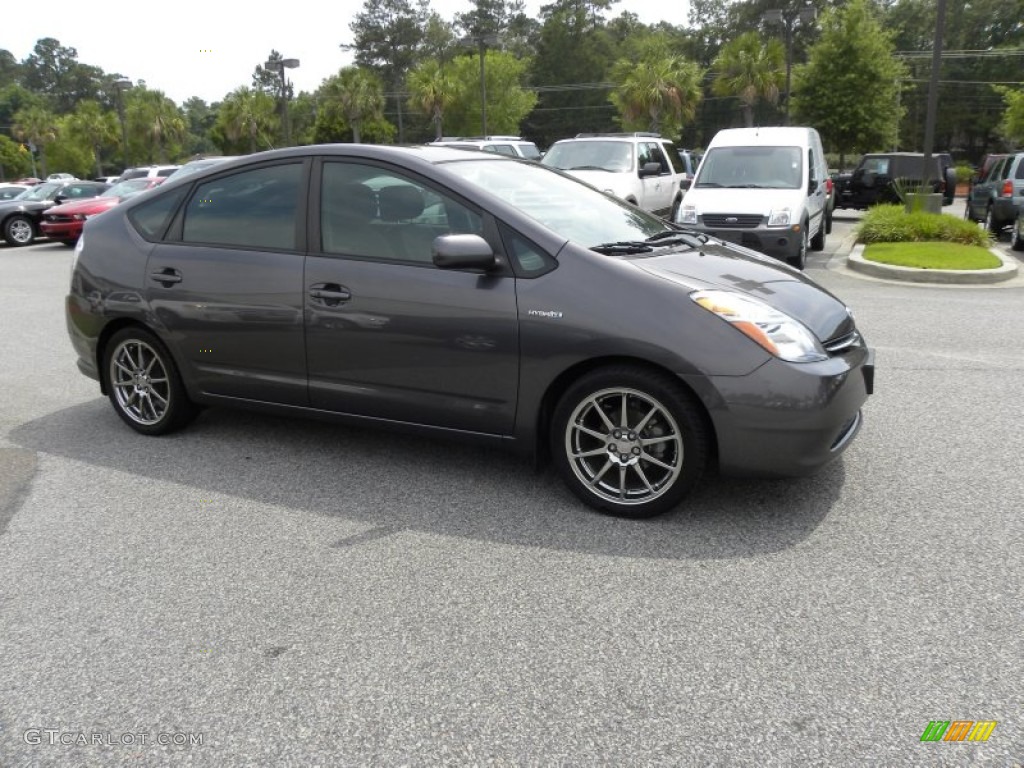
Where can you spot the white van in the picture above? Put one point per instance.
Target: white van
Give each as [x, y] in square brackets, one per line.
[763, 188]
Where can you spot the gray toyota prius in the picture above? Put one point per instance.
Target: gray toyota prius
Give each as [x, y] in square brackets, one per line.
[471, 295]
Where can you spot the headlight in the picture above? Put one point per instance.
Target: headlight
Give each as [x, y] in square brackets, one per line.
[79, 217]
[777, 332]
[688, 214]
[779, 217]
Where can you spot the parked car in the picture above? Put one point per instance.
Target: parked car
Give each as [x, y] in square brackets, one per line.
[11, 191]
[61, 177]
[20, 218]
[513, 146]
[147, 171]
[999, 196]
[63, 223]
[641, 168]
[30, 180]
[764, 188]
[466, 294]
[874, 180]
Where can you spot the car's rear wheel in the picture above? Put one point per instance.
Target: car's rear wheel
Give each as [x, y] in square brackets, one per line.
[629, 441]
[990, 220]
[143, 383]
[18, 230]
[818, 241]
[1017, 233]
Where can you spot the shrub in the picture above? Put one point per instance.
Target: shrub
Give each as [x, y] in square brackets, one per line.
[964, 174]
[892, 224]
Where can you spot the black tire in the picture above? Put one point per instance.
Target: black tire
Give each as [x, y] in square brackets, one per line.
[800, 259]
[70, 243]
[143, 384]
[19, 230]
[818, 241]
[990, 220]
[674, 213]
[830, 209]
[654, 454]
[1017, 233]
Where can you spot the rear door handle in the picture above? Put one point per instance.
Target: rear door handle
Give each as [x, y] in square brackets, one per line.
[329, 293]
[166, 275]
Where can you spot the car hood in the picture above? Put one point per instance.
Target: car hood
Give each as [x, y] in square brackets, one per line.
[92, 205]
[742, 201]
[733, 268]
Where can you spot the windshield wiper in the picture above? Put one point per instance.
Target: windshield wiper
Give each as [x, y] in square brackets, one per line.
[746, 186]
[623, 246]
[708, 184]
[586, 168]
[669, 237]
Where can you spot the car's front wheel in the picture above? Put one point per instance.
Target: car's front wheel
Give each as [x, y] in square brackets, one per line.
[800, 259]
[143, 383]
[629, 441]
[18, 230]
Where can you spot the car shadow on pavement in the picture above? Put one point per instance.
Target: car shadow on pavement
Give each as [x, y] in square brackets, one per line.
[395, 482]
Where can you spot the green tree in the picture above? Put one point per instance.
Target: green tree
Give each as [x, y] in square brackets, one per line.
[39, 126]
[94, 128]
[244, 121]
[10, 70]
[656, 90]
[71, 152]
[200, 118]
[155, 123]
[14, 159]
[54, 71]
[432, 90]
[751, 70]
[1013, 118]
[508, 102]
[848, 88]
[352, 99]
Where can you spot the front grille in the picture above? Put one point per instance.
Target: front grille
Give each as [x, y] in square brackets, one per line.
[842, 343]
[732, 220]
[55, 219]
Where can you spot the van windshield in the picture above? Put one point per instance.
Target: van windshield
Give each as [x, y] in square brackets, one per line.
[752, 168]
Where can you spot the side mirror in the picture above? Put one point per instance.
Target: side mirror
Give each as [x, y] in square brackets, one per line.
[650, 169]
[685, 183]
[59, 199]
[463, 252]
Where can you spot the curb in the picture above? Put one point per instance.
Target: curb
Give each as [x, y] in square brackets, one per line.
[1007, 271]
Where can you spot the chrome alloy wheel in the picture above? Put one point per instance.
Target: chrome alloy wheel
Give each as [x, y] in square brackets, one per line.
[624, 446]
[140, 382]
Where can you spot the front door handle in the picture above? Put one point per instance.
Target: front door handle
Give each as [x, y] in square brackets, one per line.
[329, 293]
[167, 275]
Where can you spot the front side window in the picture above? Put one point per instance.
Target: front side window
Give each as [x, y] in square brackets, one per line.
[651, 153]
[375, 213]
[254, 209]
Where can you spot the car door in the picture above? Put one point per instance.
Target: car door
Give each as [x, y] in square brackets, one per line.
[657, 190]
[226, 285]
[816, 193]
[390, 335]
[982, 193]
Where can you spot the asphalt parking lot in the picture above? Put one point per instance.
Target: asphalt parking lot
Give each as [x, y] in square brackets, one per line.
[260, 591]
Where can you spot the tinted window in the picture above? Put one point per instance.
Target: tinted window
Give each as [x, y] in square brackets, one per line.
[1020, 167]
[152, 217]
[166, 171]
[678, 166]
[378, 214]
[879, 165]
[501, 149]
[528, 260]
[254, 209]
[529, 151]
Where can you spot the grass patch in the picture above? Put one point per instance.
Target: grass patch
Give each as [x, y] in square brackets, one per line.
[932, 255]
[892, 224]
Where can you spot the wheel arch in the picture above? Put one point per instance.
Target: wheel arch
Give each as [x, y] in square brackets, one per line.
[109, 330]
[557, 388]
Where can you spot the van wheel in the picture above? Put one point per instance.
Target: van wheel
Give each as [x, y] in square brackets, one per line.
[800, 259]
[818, 241]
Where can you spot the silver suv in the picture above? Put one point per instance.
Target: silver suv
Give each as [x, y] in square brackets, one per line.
[513, 146]
[641, 168]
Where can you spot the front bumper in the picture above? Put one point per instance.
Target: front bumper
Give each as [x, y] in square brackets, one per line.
[788, 419]
[61, 230]
[781, 242]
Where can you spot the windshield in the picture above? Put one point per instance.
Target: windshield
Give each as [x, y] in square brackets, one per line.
[752, 167]
[568, 207]
[127, 188]
[613, 156]
[42, 191]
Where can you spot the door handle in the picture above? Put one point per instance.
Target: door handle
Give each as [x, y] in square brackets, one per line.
[329, 293]
[167, 275]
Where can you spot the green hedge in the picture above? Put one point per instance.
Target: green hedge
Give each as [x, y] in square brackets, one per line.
[892, 224]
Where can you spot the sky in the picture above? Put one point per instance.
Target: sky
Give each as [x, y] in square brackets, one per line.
[207, 49]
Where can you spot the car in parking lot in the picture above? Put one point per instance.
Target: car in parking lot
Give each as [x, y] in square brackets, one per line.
[466, 294]
[641, 168]
[513, 146]
[144, 171]
[11, 191]
[998, 196]
[20, 217]
[63, 223]
[879, 177]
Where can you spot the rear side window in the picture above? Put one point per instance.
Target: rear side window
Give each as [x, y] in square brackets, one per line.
[166, 171]
[254, 209]
[1020, 167]
[152, 217]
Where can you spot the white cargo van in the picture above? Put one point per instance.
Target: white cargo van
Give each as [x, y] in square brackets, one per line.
[764, 188]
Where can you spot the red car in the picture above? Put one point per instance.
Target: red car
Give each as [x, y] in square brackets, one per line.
[64, 223]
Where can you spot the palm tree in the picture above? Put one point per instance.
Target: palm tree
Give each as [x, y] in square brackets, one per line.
[357, 94]
[751, 70]
[95, 127]
[156, 120]
[247, 113]
[38, 126]
[433, 90]
[659, 91]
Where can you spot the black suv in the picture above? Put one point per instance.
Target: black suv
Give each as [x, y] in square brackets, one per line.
[998, 196]
[872, 181]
